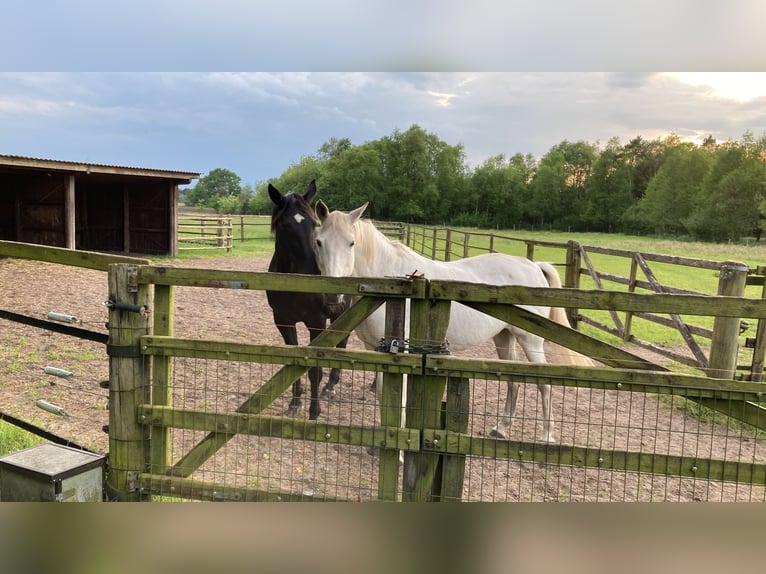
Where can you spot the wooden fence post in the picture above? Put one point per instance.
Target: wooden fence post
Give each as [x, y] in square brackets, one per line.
[162, 375]
[724, 344]
[457, 410]
[572, 277]
[391, 404]
[428, 326]
[759, 348]
[130, 305]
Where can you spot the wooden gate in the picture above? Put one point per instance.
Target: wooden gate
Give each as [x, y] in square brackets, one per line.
[438, 439]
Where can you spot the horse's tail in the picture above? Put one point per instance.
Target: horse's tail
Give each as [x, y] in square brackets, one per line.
[558, 353]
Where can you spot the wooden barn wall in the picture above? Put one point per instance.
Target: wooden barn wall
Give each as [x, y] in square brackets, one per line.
[32, 208]
[112, 215]
[100, 221]
[7, 207]
[149, 209]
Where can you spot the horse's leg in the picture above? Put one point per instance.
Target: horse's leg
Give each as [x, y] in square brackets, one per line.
[315, 373]
[329, 389]
[533, 349]
[505, 344]
[290, 336]
[377, 377]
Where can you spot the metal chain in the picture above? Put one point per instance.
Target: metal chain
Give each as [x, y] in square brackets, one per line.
[404, 346]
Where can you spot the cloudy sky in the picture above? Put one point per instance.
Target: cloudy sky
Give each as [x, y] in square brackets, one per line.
[256, 124]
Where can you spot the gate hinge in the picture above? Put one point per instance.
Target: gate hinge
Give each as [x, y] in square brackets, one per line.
[124, 351]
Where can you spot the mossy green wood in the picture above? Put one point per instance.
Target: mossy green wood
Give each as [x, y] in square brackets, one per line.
[428, 325]
[725, 342]
[227, 279]
[442, 441]
[634, 380]
[162, 374]
[457, 411]
[703, 305]
[564, 336]
[192, 489]
[281, 354]
[759, 345]
[285, 377]
[391, 437]
[128, 384]
[71, 257]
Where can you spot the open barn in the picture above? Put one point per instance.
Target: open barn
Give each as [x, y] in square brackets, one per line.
[88, 206]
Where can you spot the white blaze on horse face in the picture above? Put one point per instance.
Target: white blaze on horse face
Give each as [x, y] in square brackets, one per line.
[298, 218]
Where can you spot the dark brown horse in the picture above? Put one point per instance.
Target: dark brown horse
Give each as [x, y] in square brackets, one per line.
[293, 223]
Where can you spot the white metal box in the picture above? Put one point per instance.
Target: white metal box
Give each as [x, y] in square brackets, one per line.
[51, 473]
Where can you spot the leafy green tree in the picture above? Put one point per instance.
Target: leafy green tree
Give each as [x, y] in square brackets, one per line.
[228, 205]
[260, 203]
[674, 193]
[731, 195]
[558, 188]
[608, 190]
[216, 184]
[334, 148]
[298, 175]
[547, 188]
[644, 159]
[416, 169]
[351, 178]
[498, 189]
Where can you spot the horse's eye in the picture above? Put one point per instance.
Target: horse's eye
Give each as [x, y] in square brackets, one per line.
[352, 243]
[319, 243]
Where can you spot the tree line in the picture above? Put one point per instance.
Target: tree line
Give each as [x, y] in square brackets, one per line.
[710, 192]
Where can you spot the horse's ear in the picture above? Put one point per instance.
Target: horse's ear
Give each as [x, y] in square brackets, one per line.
[353, 216]
[310, 191]
[322, 210]
[275, 196]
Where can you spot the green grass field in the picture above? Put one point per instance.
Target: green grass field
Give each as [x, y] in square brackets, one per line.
[254, 230]
[13, 438]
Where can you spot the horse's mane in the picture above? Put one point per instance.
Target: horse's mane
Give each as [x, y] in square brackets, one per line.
[367, 233]
[293, 203]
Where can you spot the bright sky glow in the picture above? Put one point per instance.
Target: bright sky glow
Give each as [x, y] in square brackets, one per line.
[740, 86]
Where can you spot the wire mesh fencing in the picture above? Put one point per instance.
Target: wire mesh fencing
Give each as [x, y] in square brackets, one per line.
[610, 445]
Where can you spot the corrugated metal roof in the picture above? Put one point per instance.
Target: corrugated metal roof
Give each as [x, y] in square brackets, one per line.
[88, 167]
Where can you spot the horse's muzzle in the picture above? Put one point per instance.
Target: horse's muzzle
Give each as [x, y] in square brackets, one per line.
[334, 304]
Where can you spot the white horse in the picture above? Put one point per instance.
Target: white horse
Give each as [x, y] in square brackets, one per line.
[347, 245]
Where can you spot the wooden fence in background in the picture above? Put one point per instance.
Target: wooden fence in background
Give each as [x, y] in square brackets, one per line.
[205, 232]
[576, 262]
